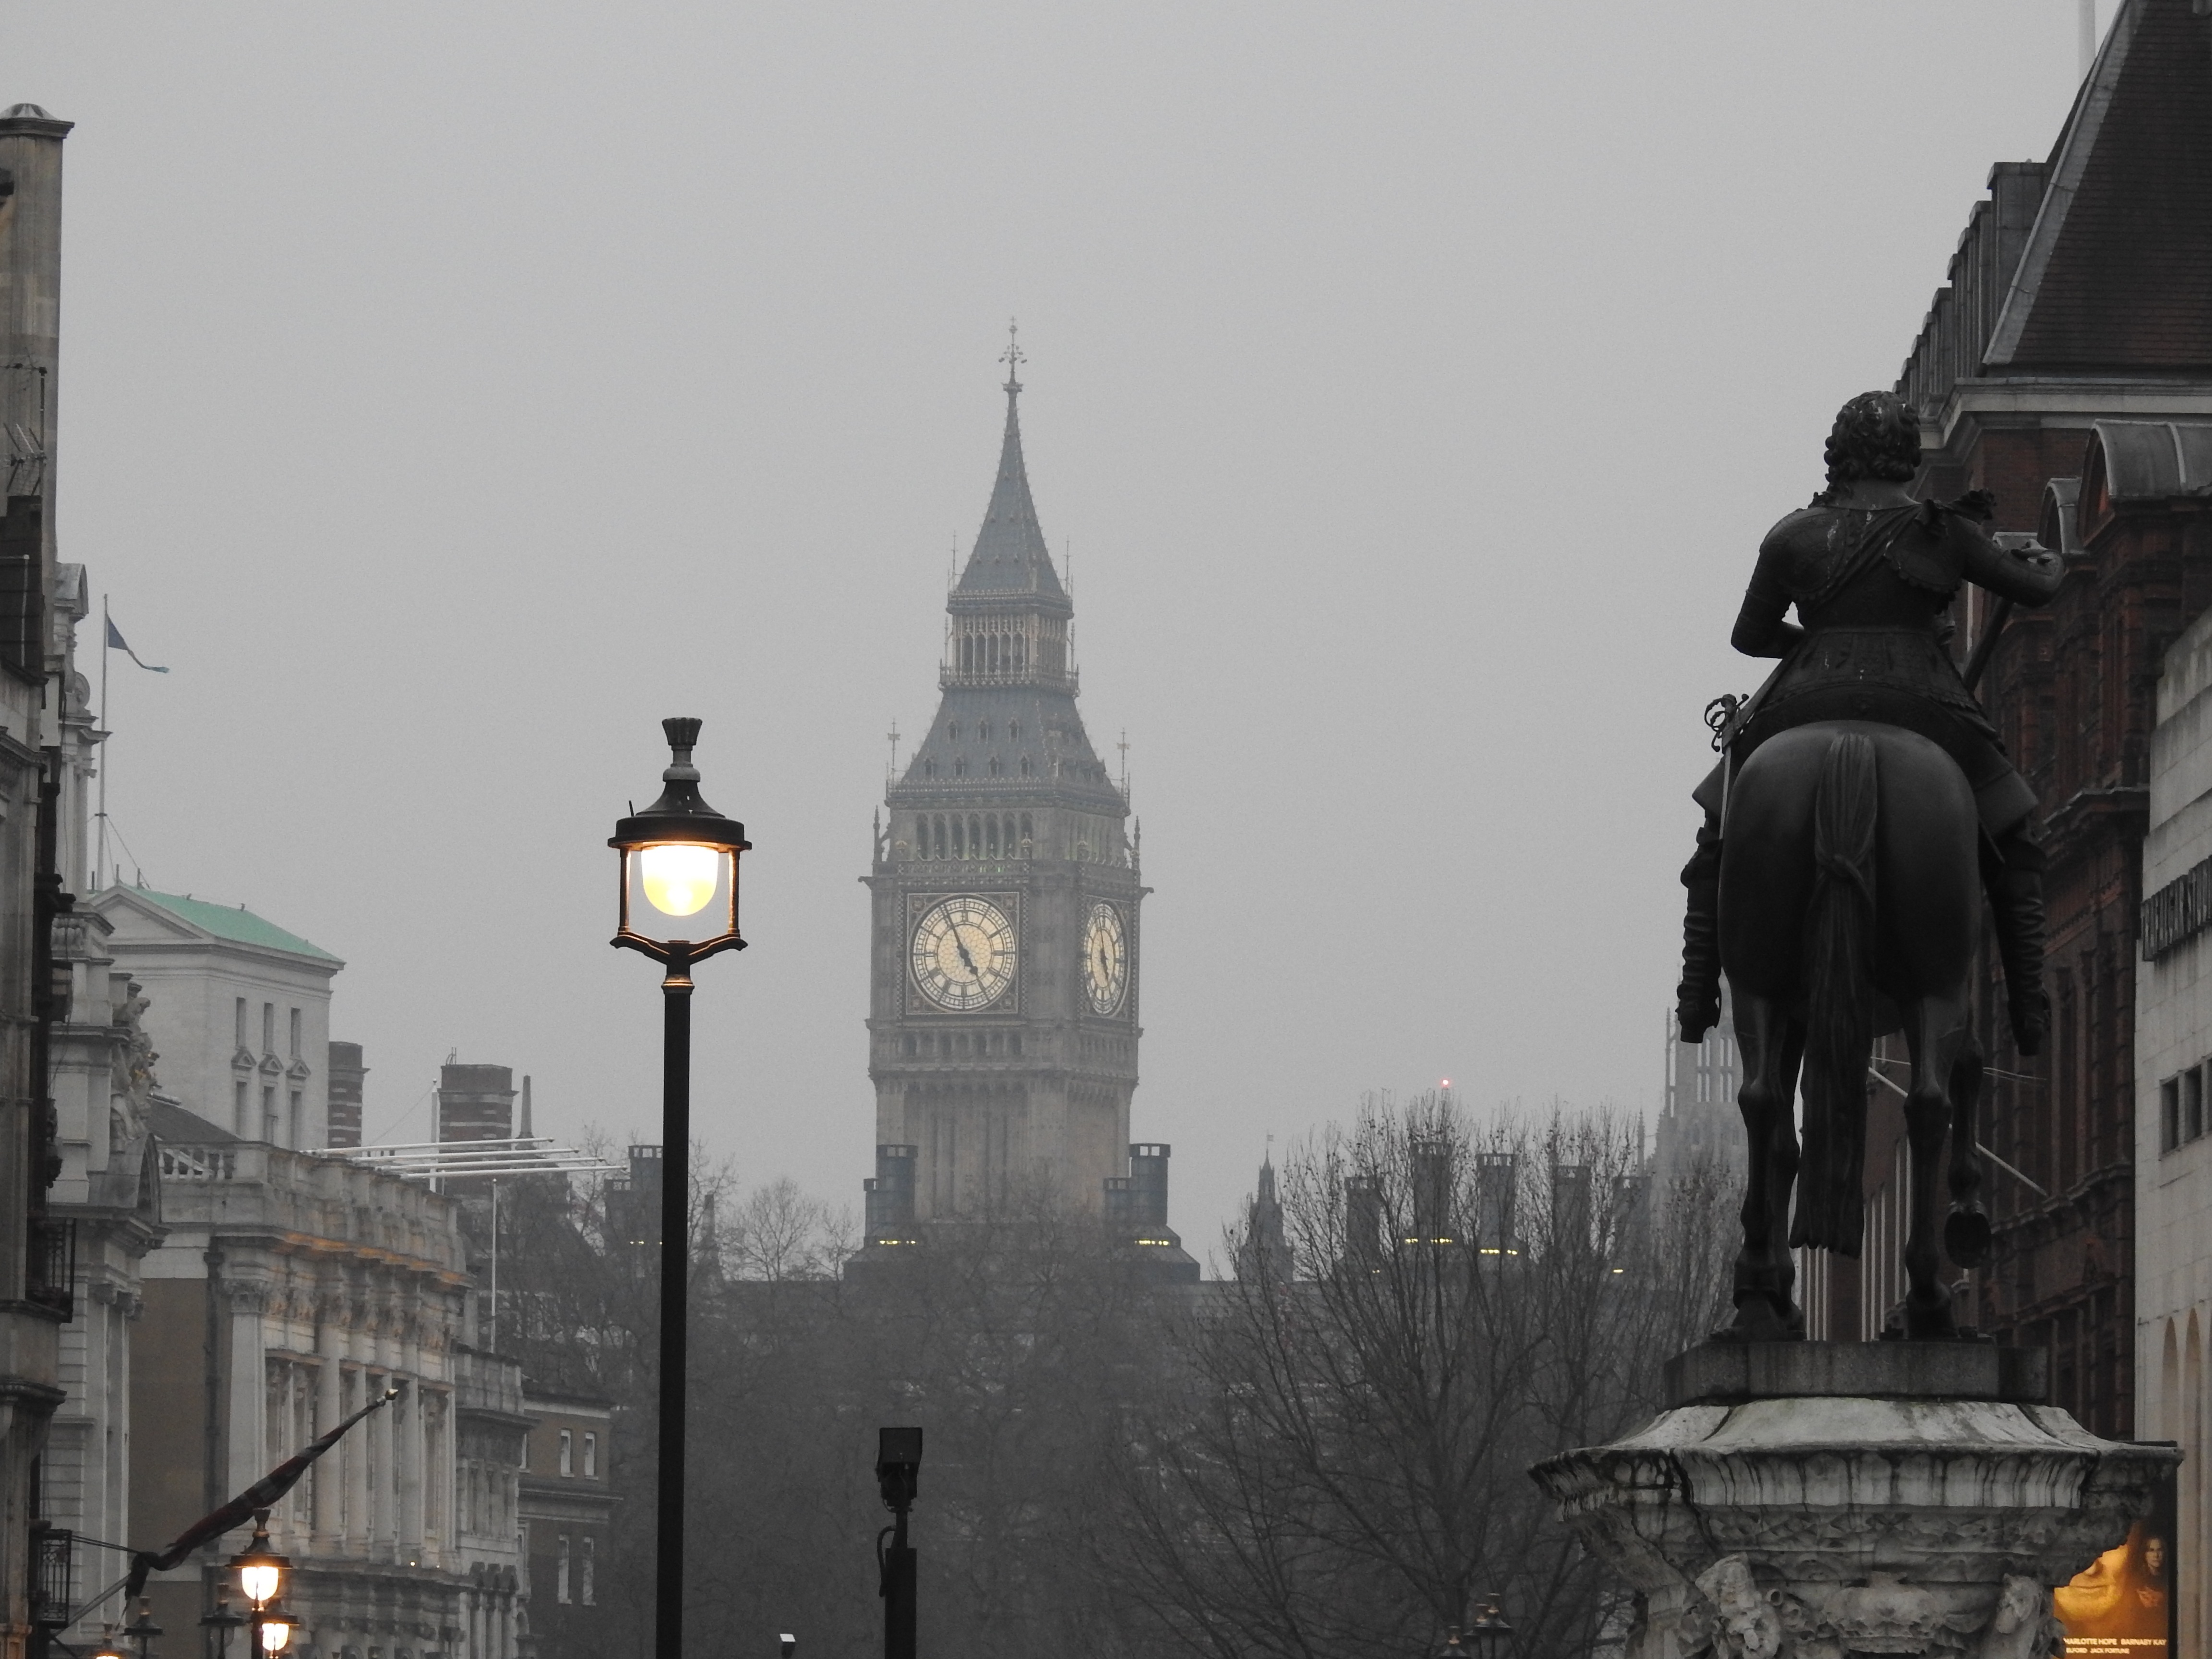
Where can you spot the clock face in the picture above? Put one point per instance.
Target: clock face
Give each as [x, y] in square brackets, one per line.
[1105, 959]
[962, 954]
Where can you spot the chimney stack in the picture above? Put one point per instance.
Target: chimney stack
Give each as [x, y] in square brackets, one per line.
[347, 1075]
[476, 1103]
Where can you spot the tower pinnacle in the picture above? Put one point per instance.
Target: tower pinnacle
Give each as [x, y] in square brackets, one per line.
[1013, 357]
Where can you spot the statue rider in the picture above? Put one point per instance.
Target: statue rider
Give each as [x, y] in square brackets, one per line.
[1872, 572]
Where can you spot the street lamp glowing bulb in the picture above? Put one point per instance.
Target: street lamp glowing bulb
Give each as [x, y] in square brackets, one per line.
[679, 880]
[276, 1635]
[258, 1581]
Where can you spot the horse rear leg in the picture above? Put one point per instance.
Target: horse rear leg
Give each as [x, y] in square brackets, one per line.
[1936, 1030]
[1967, 1235]
[1765, 1308]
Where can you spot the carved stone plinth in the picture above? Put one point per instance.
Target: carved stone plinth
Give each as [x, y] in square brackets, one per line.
[1821, 1526]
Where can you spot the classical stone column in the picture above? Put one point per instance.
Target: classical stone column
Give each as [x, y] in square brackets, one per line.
[410, 1468]
[245, 1420]
[357, 1448]
[1809, 1500]
[330, 1411]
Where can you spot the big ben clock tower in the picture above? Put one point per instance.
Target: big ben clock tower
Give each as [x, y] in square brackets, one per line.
[1006, 952]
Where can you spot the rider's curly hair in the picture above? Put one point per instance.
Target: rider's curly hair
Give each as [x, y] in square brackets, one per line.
[1877, 435]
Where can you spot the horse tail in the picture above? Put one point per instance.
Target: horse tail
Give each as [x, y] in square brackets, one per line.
[1839, 944]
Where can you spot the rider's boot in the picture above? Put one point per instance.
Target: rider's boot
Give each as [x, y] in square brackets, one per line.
[1698, 998]
[2014, 878]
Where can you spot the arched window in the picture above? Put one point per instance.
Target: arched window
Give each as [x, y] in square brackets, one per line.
[991, 835]
[1013, 731]
[959, 840]
[1029, 832]
[975, 836]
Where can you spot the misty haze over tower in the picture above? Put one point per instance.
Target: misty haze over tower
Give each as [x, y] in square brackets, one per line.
[1003, 1009]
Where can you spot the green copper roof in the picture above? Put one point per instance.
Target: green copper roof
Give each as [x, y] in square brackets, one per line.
[233, 922]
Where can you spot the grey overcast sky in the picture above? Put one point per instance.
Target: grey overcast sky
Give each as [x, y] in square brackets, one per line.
[449, 392]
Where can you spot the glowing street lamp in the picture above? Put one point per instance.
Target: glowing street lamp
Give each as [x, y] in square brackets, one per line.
[260, 1570]
[679, 906]
[275, 1631]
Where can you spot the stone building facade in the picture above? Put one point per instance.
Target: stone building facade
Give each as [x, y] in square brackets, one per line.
[239, 1008]
[2074, 328]
[1005, 954]
[35, 1240]
[2173, 1065]
[290, 1290]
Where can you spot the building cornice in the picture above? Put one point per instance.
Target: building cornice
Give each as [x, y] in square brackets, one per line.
[2067, 402]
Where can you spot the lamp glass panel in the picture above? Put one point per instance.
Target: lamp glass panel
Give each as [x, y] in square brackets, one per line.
[681, 891]
[259, 1581]
[276, 1635]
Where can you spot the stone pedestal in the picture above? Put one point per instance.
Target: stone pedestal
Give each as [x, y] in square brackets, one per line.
[1770, 1514]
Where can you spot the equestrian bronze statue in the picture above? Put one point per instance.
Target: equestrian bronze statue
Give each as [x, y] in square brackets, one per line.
[1863, 807]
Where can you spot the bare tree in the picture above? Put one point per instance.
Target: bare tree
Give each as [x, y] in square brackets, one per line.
[1337, 1466]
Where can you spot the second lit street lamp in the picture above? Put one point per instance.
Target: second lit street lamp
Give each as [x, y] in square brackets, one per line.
[679, 906]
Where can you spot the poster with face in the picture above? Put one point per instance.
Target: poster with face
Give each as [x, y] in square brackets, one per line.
[2121, 1605]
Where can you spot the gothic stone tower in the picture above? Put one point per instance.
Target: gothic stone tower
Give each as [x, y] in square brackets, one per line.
[1003, 1012]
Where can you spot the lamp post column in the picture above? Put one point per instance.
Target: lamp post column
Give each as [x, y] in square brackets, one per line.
[675, 1284]
[679, 906]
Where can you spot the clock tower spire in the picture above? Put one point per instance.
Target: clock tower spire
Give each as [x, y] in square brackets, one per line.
[1005, 894]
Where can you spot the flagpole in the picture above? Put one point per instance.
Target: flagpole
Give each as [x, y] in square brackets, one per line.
[99, 855]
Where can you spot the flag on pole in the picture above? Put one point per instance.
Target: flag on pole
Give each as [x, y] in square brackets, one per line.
[116, 642]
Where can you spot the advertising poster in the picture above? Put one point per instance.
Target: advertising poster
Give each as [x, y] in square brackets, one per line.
[2121, 1605]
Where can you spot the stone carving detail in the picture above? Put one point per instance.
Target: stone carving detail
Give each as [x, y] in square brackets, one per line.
[1825, 1528]
[2022, 1627]
[131, 1080]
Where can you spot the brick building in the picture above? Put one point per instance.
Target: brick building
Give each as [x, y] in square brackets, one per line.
[567, 1507]
[2074, 328]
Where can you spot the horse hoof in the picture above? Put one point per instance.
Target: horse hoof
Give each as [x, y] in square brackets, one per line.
[1966, 1238]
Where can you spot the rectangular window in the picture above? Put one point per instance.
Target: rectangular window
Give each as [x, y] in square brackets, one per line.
[585, 1590]
[590, 1458]
[568, 1453]
[241, 1039]
[561, 1570]
[2169, 1115]
[295, 1033]
[524, 1463]
[2192, 1102]
[245, 1130]
[297, 1127]
[268, 1028]
[269, 1112]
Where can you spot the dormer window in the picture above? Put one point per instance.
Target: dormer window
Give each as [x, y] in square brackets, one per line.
[952, 730]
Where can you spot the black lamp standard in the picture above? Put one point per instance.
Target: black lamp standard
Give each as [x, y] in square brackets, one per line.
[1490, 1636]
[898, 1474]
[679, 906]
[142, 1631]
[222, 1621]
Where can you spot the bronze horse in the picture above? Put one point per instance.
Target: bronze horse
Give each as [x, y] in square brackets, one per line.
[1851, 904]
